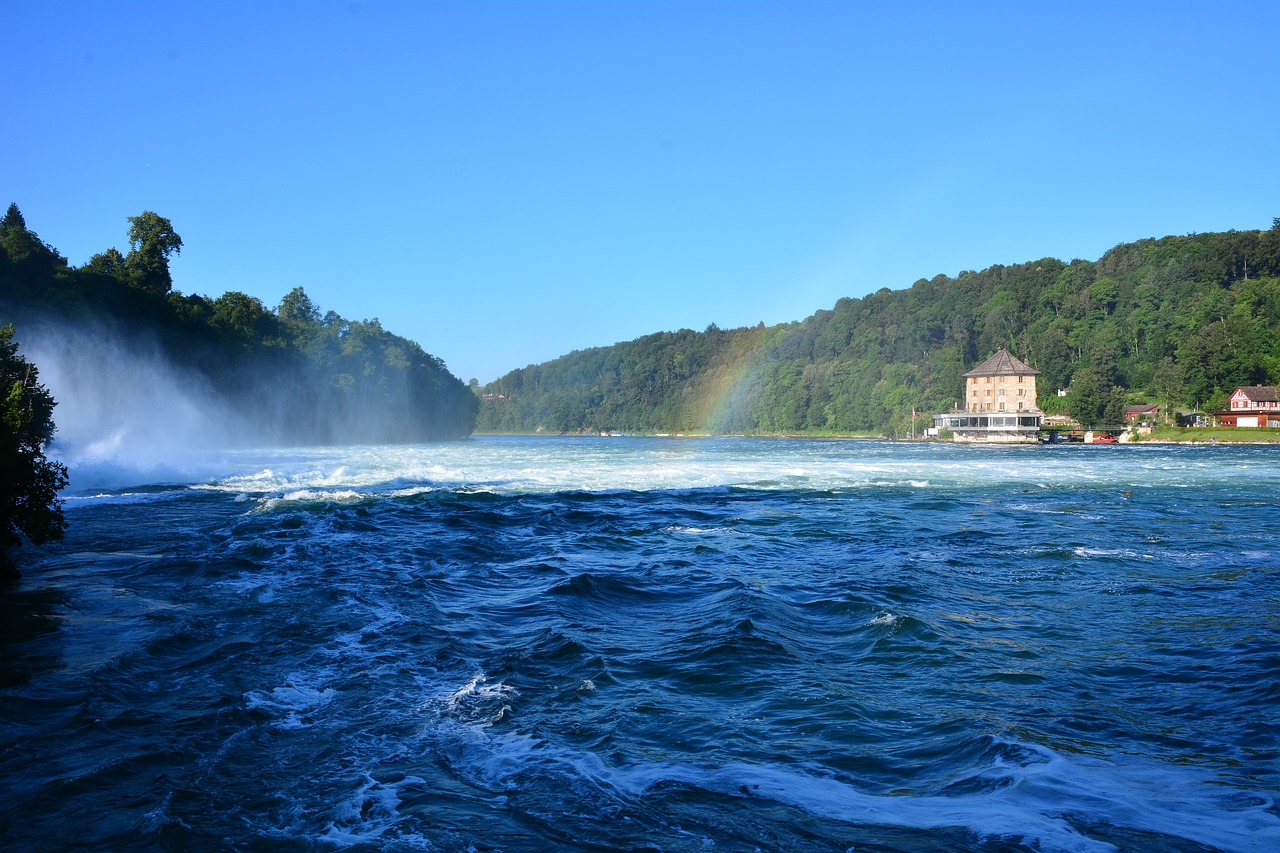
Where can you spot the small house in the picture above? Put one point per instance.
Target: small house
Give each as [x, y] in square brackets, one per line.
[1252, 406]
[1143, 413]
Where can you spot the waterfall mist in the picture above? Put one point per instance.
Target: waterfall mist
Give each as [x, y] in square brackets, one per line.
[126, 413]
[143, 402]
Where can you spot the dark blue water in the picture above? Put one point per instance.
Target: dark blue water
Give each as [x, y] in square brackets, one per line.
[706, 645]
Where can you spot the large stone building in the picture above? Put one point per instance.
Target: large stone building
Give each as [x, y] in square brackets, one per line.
[999, 403]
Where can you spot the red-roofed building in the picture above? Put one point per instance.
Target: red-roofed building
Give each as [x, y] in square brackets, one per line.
[1252, 406]
[1141, 413]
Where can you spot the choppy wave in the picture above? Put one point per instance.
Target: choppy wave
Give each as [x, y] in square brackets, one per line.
[524, 644]
[534, 466]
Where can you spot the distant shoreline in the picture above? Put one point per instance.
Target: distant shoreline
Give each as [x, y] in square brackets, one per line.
[1216, 439]
[623, 434]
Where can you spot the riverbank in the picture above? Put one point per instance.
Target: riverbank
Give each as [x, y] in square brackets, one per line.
[1209, 435]
[1158, 435]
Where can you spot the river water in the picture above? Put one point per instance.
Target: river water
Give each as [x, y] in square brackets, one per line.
[528, 644]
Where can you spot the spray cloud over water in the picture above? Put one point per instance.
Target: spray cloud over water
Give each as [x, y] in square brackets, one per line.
[126, 413]
[145, 391]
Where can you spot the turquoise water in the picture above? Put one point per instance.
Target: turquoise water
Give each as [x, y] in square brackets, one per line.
[652, 644]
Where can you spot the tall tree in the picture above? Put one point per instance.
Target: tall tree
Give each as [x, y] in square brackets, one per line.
[1168, 383]
[1087, 398]
[29, 482]
[13, 218]
[37, 260]
[299, 318]
[152, 240]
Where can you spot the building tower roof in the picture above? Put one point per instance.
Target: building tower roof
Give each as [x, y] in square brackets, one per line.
[1003, 363]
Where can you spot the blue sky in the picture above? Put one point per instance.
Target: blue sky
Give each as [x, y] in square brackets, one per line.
[507, 182]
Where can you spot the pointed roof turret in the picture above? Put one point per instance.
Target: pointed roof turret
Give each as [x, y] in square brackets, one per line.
[1003, 363]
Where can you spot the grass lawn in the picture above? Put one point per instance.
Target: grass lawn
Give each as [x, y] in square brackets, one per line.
[1222, 435]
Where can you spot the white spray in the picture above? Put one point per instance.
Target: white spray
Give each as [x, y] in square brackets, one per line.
[125, 414]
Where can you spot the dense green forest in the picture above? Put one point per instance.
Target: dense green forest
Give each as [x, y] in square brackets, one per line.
[1179, 321]
[290, 374]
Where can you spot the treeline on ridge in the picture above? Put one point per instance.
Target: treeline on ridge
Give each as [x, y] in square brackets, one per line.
[1178, 321]
[290, 374]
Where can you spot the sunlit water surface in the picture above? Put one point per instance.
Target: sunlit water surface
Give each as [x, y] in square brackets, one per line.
[644, 643]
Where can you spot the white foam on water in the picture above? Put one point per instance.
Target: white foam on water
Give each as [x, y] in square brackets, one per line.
[1037, 805]
[984, 815]
[702, 531]
[1123, 554]
[521, 465]
[478, 703]
[94, 498]
[371, 812]
[292, 705]
[1048, 802]
[321, 496]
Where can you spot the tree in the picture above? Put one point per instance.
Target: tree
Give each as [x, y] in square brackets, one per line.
[110, 262]
[1054, 359]
[1104, 357]
[243, 319]
[299, 319]
[29, 482]
[1113, 408]
[297, 308]
[1086, 398]
[152, 240]
[1103, 294]
[24, 247]
[1168, 382]
[13, 219]
[247, 354]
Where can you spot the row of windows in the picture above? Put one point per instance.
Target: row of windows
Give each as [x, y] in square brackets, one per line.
[1021, 392]
[961, 422]
[987, 379]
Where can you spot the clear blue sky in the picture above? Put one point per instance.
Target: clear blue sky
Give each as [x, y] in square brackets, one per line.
[506, 182]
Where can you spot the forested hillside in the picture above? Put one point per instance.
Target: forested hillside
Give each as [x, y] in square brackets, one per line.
[288, 374]
[1176, 320]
